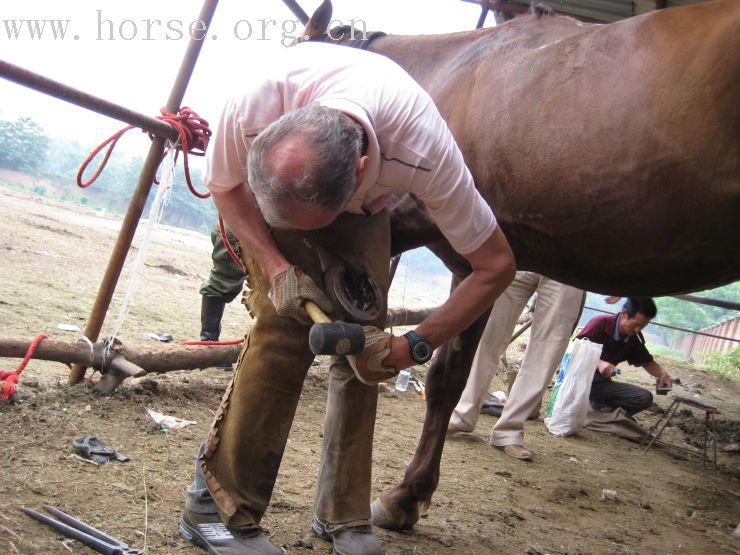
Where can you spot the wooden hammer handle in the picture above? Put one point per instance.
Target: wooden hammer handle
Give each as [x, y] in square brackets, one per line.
[316, 314]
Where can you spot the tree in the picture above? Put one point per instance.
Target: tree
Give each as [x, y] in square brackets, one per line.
[23, 145]
[697, 316]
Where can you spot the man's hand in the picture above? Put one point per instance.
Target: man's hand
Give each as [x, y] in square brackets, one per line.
[372, 366]
[605, 368]
[291, 289]
[662, 377]
[400, 354]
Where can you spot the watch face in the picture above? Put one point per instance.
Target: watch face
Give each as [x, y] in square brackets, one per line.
[422, 351]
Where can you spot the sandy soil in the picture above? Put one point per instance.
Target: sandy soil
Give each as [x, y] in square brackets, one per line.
[51, 260]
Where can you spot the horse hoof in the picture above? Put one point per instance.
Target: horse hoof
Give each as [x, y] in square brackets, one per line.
[391, 520]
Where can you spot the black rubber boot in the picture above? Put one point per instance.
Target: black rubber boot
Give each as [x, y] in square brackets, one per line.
[211, 312]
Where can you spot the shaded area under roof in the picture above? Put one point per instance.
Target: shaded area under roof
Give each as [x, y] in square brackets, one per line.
[599, 11]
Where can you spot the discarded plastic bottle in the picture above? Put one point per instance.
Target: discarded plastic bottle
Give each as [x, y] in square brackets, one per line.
[402, 381]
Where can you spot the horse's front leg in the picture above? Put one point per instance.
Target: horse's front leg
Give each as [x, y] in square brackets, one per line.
[399, 507]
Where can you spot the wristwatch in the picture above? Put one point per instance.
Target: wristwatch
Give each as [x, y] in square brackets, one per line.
[419, 348]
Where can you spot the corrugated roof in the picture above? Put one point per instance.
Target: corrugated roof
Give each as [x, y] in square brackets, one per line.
[603, 11]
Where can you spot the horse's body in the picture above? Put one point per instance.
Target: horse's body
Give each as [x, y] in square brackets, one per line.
[611, 156]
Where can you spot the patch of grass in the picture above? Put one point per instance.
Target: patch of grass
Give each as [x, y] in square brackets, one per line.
[725, 363]
[664, 351]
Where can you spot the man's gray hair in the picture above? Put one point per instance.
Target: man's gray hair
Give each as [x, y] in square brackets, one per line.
[334, 143]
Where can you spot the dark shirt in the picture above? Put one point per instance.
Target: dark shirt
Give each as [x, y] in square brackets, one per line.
[616, 348]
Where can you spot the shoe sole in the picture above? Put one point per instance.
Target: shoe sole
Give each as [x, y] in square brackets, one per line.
[193, 537]
[519, 458]
[501, 448]
[321, 534]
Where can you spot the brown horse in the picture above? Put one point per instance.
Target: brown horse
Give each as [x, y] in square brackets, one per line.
[611, 156]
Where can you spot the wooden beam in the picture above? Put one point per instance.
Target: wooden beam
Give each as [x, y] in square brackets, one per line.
[501, 6]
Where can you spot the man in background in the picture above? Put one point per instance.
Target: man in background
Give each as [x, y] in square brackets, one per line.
[557, 309]
[224, 283]
[621, 338]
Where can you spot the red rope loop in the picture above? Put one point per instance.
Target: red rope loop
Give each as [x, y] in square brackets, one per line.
[10, 379]
[227, 244]
[111, 142]
[194, 135]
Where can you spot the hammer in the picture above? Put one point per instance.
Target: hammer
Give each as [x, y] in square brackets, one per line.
[333, 338]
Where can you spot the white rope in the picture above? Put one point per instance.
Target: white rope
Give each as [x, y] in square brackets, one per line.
[405, 282]
[86, 339]
[155, 215]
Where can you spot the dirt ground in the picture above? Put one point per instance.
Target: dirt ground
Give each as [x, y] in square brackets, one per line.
[52, 257]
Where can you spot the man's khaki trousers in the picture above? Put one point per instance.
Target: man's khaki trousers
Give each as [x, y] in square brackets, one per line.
[556, 312]
[246, 443]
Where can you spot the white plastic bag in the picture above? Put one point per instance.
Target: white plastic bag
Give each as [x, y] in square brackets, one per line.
[171, 422]
[568, 405]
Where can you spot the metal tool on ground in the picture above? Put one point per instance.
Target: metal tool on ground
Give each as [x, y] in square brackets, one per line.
[660, 390]
[421, 389]
[710, 435]
[83, 533]
[333, 338]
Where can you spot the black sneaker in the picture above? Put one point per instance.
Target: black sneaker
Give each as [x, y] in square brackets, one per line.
[352, 540]
[207, 531]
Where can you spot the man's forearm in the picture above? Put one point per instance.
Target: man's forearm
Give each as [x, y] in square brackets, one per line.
[240, 213]
[655, 369]
[493, 270]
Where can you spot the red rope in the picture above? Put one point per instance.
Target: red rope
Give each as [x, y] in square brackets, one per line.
[10, 379]
[111, 141]
[194, 135]
[229, 342]
[227, 244]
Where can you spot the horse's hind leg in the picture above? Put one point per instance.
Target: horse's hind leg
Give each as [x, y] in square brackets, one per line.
[398, 507]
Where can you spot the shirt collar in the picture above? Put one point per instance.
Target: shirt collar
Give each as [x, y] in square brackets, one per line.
[617, 335]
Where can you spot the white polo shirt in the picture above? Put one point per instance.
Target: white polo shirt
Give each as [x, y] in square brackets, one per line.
[410, 148]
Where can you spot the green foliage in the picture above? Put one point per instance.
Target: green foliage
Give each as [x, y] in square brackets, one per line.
[664, 351]
[23, 145]
[63, 157]
[726, 363]
[676, 312]
[187, 210]
[114, 187]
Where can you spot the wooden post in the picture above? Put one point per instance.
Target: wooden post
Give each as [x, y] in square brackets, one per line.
[138, 201]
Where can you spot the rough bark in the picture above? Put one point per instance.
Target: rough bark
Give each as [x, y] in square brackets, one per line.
[123, 360]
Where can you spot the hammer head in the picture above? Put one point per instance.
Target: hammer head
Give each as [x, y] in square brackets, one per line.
[337, 338]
